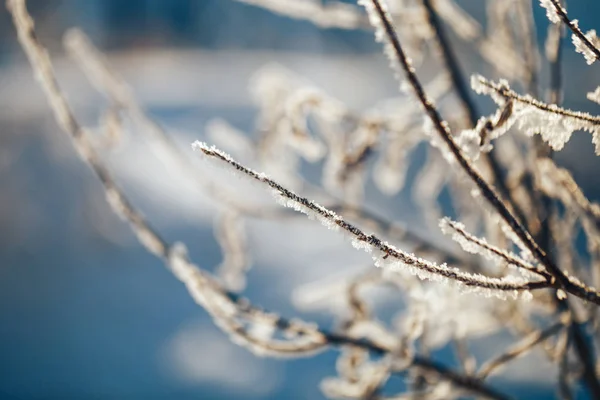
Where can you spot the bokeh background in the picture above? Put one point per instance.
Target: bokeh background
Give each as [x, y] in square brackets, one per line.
[85, 312]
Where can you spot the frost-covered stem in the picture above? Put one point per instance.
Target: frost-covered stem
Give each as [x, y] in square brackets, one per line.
[462, 90]
[359, 308]
[362, 240]
[463, 235]
[42, 67]
[392, 230]
[540, 105]
[236, 261]
[554, 56]
[518, 349]
[561, 12]
[487, 191]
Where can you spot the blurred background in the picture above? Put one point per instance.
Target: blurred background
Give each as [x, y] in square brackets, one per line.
[85, 312]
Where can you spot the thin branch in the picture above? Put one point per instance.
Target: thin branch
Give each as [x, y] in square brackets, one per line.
[564, 389]
[473, 244]
[519, 349]
[504, 91]
[554, 54]
[461, 88]
[382, 250]
[556, 13]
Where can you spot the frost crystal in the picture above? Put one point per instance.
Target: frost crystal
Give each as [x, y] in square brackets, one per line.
[551, 12]
[589, 46]
[476, 245]
[554, 124]
[582, 47]
[470, 142]
[384, 254]
[595, 95]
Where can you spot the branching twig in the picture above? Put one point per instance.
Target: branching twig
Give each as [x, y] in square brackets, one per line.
[557, 13]
[382, 19]
[507, 93]
[473, 244]
[380, 249]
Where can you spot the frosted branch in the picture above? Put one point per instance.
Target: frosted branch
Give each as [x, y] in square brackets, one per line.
[553, 123]
[587, 44]
[384, 254]
[475, 245]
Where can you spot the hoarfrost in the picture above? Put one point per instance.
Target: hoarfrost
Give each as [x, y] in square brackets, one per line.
[584, 48]
[595, 95]
[383, 254]
[553, 123]
[551, 12]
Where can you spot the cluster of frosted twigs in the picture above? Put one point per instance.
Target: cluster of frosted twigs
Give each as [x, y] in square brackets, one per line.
[519, 212]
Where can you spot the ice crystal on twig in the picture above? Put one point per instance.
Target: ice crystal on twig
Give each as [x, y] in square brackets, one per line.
[582, 46]
[553, 123]
[587, 44]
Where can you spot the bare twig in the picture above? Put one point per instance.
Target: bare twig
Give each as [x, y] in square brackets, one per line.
[519, 349]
